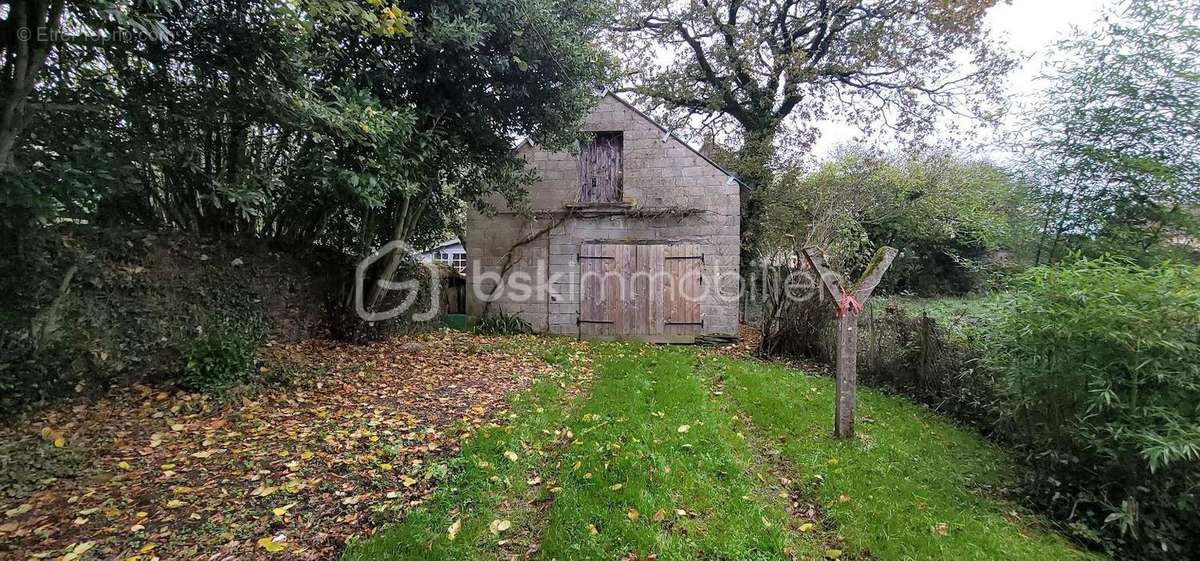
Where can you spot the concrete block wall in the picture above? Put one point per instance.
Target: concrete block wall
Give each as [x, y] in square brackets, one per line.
[657, 174]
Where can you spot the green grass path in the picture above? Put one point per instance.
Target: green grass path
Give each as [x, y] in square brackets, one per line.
[658, 468]
[647, 458]
[910, 486]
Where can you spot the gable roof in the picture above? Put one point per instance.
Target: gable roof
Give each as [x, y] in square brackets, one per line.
[668, 133]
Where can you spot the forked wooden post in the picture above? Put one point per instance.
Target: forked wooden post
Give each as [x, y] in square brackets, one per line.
[849, 302]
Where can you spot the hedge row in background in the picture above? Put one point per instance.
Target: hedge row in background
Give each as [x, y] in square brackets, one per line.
[1089, 370]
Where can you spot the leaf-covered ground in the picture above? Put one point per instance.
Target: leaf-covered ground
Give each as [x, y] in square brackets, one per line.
[287, 473]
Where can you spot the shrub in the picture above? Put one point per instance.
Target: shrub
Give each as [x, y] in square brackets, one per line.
[223, 355]
[500, 323]
[1098, 360]
[932, 360]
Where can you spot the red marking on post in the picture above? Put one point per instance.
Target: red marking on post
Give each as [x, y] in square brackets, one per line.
[848, 302]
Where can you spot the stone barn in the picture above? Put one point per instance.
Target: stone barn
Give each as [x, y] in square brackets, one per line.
[633, 236]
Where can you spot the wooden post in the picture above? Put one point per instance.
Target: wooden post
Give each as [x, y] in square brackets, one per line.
[846, 382]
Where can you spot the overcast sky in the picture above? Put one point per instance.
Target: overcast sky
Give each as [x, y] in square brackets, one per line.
[1028, 27]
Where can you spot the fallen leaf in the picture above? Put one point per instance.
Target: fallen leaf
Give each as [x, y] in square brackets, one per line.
[18, 510]
[833, 553]
[632, 515]
[684, 428]
[498, 526]
[282, 510]
[271, 545]
[452, 532]
[512, 456]
[659, 516]
[174, 503]
[615, 486]
[806, 527]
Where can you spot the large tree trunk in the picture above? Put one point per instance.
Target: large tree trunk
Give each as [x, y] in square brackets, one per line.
[753, 168]
[24, 55]
[404, 223]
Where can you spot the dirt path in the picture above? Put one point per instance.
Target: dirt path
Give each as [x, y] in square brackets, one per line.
[280, 474]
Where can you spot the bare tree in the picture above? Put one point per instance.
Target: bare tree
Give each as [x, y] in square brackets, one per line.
[771, 66]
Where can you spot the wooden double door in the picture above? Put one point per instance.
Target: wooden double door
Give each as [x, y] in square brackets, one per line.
[641, 291]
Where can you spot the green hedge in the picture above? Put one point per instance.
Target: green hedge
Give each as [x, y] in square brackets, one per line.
[1099, 366]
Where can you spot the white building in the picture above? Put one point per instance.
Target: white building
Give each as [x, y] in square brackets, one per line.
[449, 252]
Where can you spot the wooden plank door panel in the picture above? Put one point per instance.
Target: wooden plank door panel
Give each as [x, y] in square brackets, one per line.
[622, 303]
[684, 266]
[593, 301]
[648, 287]
[605, 306]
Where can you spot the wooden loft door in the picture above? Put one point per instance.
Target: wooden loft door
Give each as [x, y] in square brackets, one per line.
[640, 291]
[601, 169]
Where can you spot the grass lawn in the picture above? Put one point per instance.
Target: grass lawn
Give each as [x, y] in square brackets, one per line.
[671, 453]
[910, 486]
[952, 312]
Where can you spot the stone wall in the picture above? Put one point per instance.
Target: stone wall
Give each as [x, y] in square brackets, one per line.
[658, 176]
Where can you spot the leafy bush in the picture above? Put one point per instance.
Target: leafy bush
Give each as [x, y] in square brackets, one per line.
[222, 356]
[346, 325]
[954, 220]
[500, 323]
[1100, 363]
